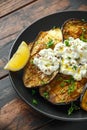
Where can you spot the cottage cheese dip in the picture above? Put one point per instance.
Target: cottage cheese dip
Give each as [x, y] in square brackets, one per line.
[69, 57]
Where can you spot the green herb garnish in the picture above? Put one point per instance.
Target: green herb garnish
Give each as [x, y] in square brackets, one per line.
[71, 88]
[31, 61]
[83, 20]
[71, 80]
[62, 84]
[72, 108]
[46, 95]
[54, 27]
[82, 38]
[42, 82]
[67, 81]
[69, 57]
[75, 67]
[33, 92]
[50, 43]
[34, 101]
[66, 42]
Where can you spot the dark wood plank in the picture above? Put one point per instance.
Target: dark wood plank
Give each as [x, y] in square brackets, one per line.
[4, 52]
[8, 6]
[17, 115]
[18, 20]
[7, 92]
[63, 125]
[22, 18]
[83, 7]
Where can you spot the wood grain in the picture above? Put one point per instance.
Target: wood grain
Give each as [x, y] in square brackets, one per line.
[83, 7]
[7, 93]
[62, 125]
[22, 18]
[8, 6]
[4, 52]
[17, 115]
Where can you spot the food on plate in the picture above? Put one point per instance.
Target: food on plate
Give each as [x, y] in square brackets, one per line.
[56, 63]
[62, 89]
[84, 99]
[44, 44]
[19, 59]
[75, 28]
[68, 57]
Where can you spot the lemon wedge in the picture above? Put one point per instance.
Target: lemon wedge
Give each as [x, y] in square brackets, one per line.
[19, 59]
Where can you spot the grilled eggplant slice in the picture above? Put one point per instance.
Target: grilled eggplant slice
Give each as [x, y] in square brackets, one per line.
[75, 28]
[62, 89]
[32, 76]
[84, 99]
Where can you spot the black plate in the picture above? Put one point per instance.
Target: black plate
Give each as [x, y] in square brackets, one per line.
[28, 35]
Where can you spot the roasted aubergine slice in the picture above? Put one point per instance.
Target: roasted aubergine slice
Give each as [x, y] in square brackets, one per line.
[32, 76]
[62, 89]
[75, 28]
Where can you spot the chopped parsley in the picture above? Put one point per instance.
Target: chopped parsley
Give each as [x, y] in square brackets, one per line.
[71, 80]
[33, 92]
[75, 67]
[31, 61]
[68, 57]
[62, 84]
[72, 108]
[83, 20]
[43, 82]
[67, 81]
[54, 27]
[71, 88]
[82, 38]
[34, 101]
[46, 95]
[66, 42]
[50, 43]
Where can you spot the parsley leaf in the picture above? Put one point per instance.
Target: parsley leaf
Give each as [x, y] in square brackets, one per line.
[62, 84]
[50, 43]
[34, 101]
[72, 108]
[75, 67]
[33, 92]
[46, 95]
[66, 42]
[71, 88]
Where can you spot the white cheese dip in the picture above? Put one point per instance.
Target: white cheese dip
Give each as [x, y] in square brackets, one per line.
[46, 61]
[68, 58]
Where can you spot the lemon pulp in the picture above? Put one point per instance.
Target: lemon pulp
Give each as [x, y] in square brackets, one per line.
[19, 59]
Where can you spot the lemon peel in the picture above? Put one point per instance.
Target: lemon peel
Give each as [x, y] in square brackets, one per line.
[19, 59]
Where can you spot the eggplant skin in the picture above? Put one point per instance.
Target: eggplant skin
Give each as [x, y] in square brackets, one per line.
[59, 90]
[74, 28]
[84, 100]
[32, 76]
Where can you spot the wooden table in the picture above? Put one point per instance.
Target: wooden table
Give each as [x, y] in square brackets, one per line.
[15, 15]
